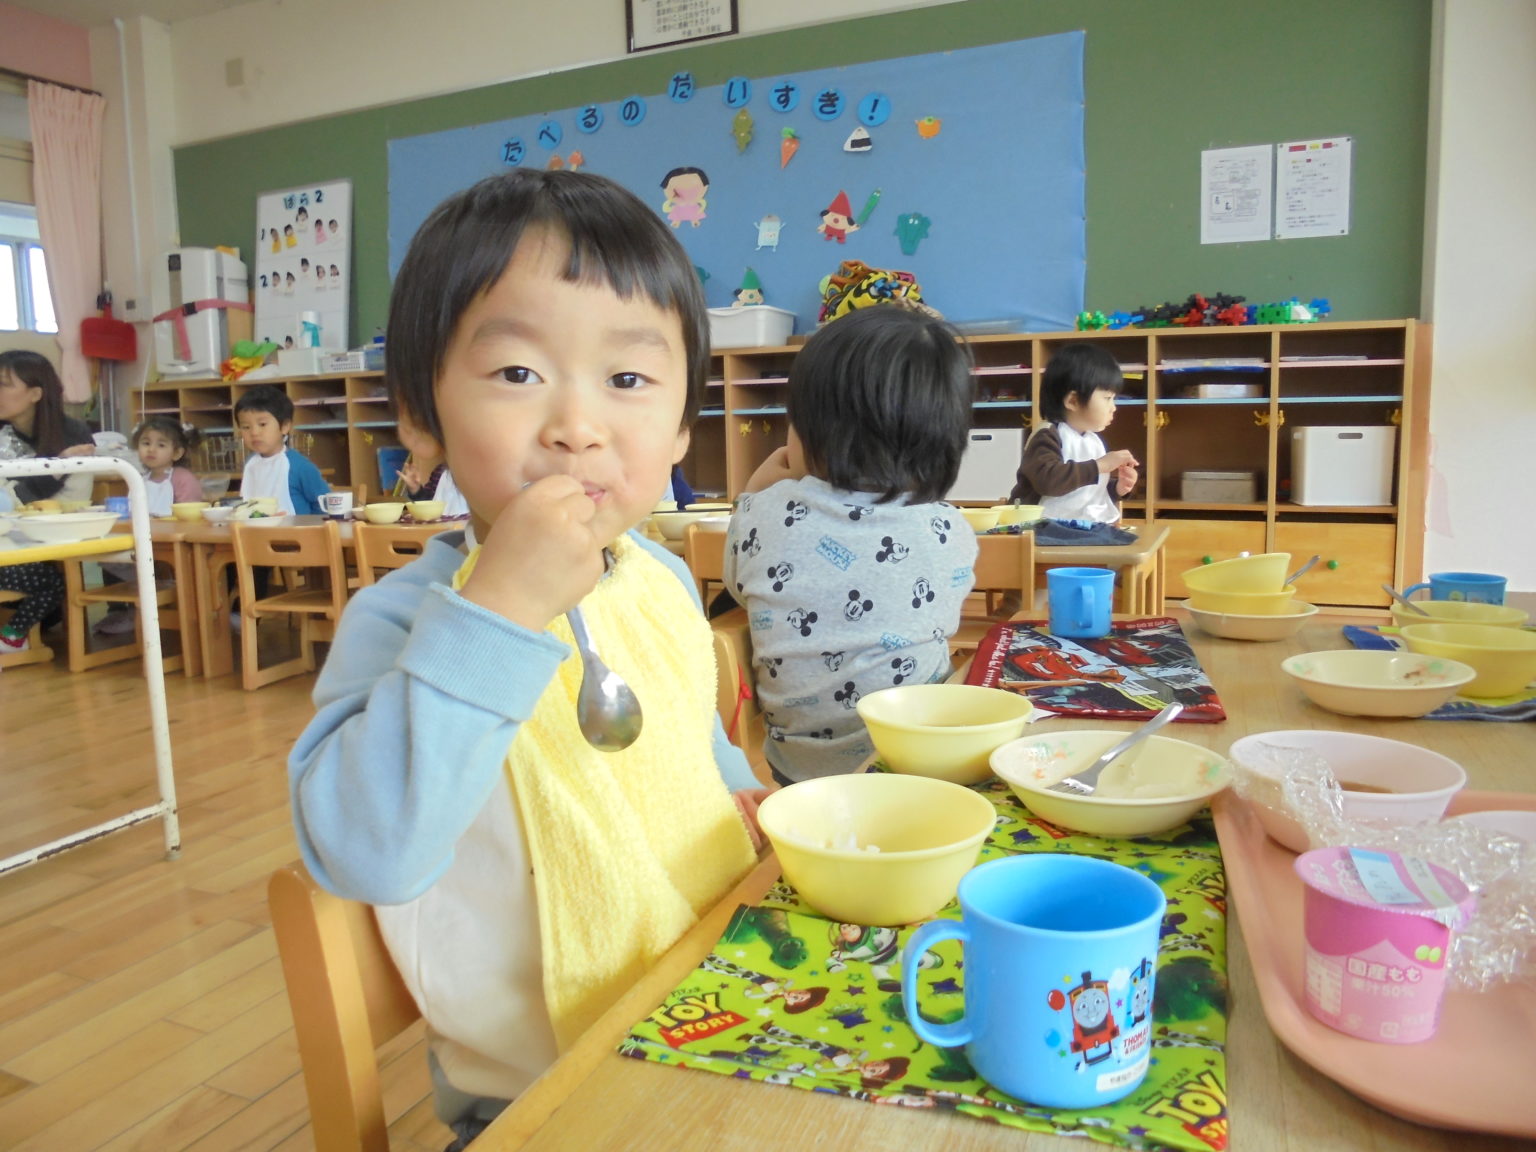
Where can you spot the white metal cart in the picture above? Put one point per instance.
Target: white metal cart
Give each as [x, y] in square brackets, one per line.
[14, 550]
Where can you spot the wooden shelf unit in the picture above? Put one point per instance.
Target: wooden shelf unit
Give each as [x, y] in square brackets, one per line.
[1363, 373]
[1366, 373]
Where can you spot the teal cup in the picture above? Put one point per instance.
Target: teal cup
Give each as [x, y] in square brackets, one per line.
[1060, 966]
[1080, 601]
[1472, 587]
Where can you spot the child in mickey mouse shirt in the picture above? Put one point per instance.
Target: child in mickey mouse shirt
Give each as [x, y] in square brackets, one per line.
[851, 568]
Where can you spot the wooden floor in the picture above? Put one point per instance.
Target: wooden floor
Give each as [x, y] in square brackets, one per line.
[141, 1000]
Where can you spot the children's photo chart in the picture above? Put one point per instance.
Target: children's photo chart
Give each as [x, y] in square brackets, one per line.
[964, 169]
[304, 265]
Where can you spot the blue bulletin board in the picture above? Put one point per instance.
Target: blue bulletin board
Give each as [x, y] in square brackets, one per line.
[965, 168]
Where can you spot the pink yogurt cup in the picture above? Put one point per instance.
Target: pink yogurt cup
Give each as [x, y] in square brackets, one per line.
[1378, 934]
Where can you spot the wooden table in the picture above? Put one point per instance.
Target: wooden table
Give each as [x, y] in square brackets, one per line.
[213, 553]
[1140, 565]
[595, 1099]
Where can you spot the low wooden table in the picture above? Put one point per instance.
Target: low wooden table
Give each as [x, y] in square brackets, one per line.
[213, 552]
[1140, 566]
[593, 1098]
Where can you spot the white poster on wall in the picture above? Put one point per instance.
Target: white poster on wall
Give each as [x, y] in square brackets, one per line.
[303, 265]
[1312, 179]
[1236, 192]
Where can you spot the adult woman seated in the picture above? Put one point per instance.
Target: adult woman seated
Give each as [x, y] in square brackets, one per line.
[33, 424]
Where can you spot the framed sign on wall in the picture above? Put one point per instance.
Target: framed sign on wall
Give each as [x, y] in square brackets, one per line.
[663, 23]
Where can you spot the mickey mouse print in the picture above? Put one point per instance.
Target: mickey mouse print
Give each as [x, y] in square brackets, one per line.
[846, 596]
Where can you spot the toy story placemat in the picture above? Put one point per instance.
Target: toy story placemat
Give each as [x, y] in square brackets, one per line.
[1140, 668]
[963, 169]
[789, 998]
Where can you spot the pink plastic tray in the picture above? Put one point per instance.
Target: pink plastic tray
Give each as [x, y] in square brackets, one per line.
[1474, 1074]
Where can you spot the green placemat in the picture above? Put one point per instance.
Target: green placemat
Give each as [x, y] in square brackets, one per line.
[788, 997]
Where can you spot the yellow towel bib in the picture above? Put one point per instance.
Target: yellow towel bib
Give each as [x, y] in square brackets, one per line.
[628, 848]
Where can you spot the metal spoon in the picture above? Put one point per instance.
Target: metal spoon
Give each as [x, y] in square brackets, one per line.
[1085, 782]
[1403, 600]
[1296, 575]
[606, 709]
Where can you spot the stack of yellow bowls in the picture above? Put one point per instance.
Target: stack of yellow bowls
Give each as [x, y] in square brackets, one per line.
[1246, 597]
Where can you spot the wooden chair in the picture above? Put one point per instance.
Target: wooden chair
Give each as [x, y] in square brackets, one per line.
[385, 546]
[315, 547]
[36, 651]
[735, 697]
[1005, 578]
[347, 1000]
[704, 553]
[78, 598]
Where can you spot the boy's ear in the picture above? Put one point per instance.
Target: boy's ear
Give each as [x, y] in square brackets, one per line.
[684, 438]
[421, 445]
[1070, 402]
[285, 426]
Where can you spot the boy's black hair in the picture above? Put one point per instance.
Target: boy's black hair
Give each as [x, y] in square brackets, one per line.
[265, 398]
[881, 402]
[464, 248]
[184, 436]
[1079, 369]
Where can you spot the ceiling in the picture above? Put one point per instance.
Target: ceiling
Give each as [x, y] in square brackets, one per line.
[89, 13]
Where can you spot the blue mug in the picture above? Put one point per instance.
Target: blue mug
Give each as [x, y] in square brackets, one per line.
[1060, 966]
[1473, 587]
[118, 506]
[1080, 601]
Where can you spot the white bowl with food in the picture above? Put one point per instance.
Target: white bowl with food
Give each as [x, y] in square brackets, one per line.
[1377, 682]
[66, 527]
[1157, 785]
[1244, 626]
[673, 525]
[1384, 781]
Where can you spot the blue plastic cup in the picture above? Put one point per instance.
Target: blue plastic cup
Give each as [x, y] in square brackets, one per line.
[118, 506]
[1080, 601]
[1060, 966]
[1472, 587]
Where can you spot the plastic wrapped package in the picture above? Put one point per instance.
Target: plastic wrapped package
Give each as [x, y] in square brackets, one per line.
[1499, 943]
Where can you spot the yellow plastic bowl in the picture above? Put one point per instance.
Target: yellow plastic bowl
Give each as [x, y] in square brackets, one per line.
[191, 510]
[1244, 603]
[388, 512]
[674, 525]
[928, 834]
[1367, 682]
[1460, 612]
[1264, 572]
[1019, 513]
[1182, 776]
[946, 731]
[982, 519]
[426, 511]
[1504, 658]
[1234, 626]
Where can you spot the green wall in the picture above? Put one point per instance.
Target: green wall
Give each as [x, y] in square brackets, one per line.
[1164, 81]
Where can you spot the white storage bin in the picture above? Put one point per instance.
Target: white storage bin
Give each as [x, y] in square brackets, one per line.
[1342, 465]
[989, 466]
[752, 326]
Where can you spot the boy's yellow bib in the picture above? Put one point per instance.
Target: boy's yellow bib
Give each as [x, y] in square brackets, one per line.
[628, 848]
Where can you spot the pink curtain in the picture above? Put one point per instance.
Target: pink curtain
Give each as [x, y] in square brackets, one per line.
[66, 183]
